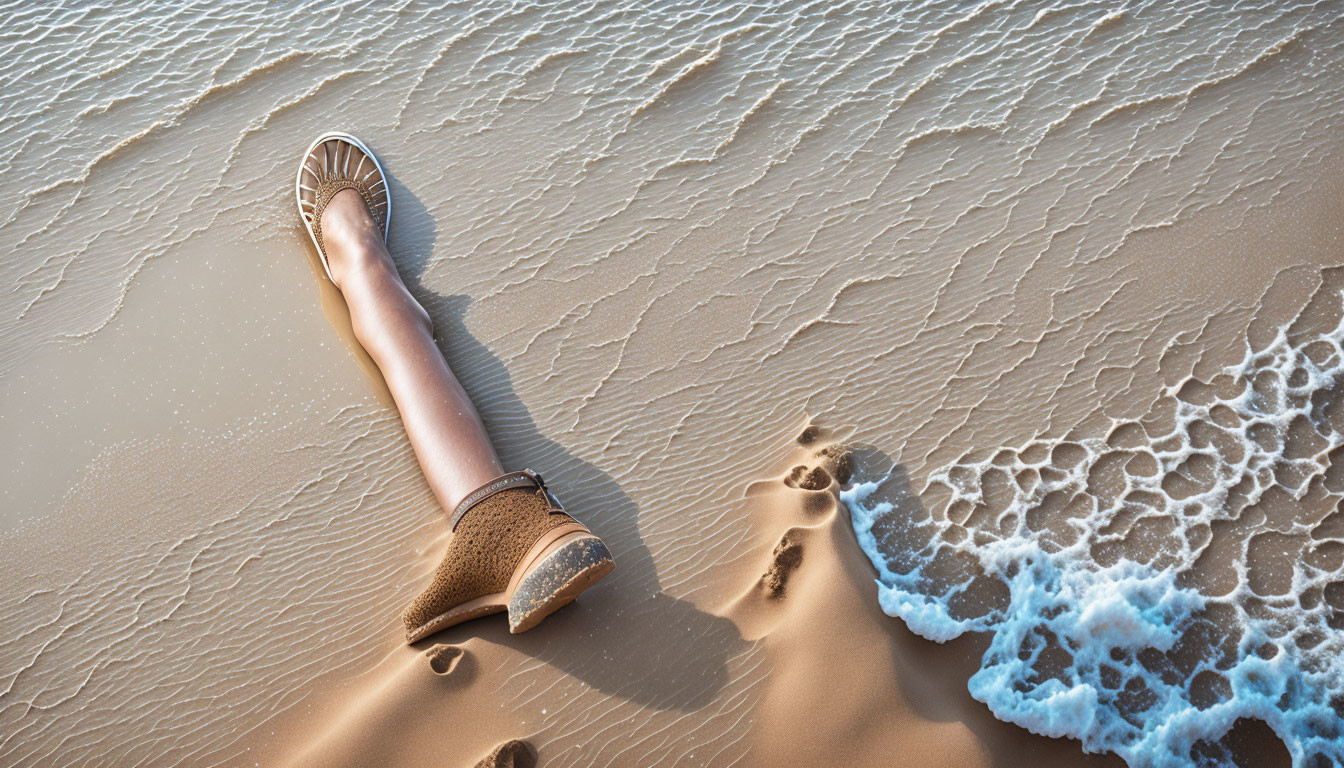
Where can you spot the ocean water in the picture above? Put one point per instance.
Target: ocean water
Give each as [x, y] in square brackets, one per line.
[654, 239]
[1148, 585]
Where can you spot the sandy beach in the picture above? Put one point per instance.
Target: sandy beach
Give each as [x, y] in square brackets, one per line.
[710, 270]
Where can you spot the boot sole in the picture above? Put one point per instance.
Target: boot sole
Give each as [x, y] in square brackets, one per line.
[557, 579]
[563, 563]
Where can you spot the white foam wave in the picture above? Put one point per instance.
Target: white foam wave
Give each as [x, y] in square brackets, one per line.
[1082, 560]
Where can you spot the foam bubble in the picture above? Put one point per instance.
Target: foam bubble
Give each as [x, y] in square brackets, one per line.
[1109, 624]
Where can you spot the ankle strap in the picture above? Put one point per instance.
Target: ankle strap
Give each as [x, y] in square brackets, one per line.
[521, 479]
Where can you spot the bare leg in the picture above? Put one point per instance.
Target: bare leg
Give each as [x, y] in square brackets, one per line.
[514, 550]
[446, 432]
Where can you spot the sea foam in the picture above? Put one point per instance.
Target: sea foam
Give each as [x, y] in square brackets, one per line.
[1084, 561]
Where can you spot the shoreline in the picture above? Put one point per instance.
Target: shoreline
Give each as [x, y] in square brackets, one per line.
[654, 246]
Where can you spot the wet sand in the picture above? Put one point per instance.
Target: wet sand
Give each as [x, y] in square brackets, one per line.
[653, 246]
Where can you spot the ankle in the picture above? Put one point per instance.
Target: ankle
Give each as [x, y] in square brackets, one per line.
[353, 241]
[360, 260]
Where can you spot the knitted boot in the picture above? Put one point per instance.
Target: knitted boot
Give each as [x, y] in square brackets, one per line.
[514, 549]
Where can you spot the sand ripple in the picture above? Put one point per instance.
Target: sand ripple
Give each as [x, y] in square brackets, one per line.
[652, 240]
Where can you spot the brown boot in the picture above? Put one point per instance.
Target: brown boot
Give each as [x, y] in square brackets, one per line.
[514, 549]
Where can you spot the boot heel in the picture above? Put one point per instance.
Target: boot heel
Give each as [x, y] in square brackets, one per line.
[557, 579]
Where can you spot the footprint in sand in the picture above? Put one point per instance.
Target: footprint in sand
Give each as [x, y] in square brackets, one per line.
[827, 468]
[833, 461]
[805, 502]
[788, 555]
[839, 461]
[444, 659]
[810, 435]
[510, 754]
[821, 475]
[808, 479]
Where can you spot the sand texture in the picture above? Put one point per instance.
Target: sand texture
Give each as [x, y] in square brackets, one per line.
[705, 268]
